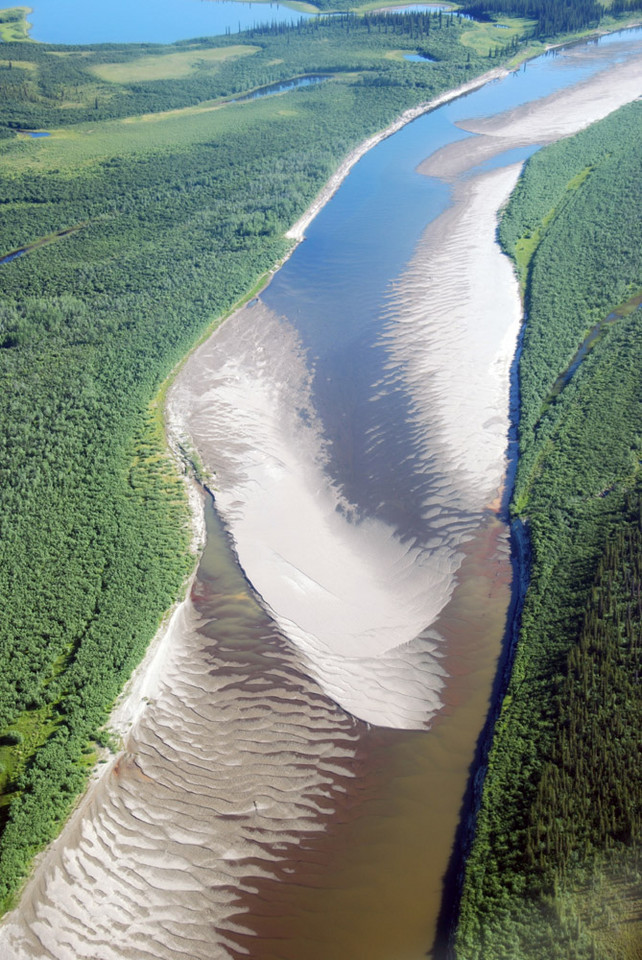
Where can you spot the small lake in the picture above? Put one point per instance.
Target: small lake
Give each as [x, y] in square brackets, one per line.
[418, 8]
[149, 21]
[282, 87]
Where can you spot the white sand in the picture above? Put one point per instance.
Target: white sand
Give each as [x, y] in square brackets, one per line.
[559, 115]
[218, 778]
[452, 336]
[351, 596]
[297, 231]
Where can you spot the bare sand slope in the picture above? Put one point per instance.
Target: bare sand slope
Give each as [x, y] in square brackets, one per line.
[454, 317]
[351, 596]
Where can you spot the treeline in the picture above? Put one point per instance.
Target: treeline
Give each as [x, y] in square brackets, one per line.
[588, 797]
[551, 16]
[168, 234]
[554, 867]
[416, 23]
[566, 294]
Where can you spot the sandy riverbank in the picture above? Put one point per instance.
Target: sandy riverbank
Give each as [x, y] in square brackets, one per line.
[558, 115]
[297, 231]
[358, 598]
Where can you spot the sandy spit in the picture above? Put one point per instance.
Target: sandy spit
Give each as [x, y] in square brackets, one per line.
[562, 114]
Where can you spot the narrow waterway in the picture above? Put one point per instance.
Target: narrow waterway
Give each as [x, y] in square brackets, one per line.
[293, 786]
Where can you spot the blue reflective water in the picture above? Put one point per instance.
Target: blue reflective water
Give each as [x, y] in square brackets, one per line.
[417, 8]
[12, 256]
[148, 21]
[272, 88]
[417, 58]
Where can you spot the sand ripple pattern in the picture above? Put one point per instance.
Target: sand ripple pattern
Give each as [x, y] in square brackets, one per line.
[237, 759]
[352, 596]
[451, 338]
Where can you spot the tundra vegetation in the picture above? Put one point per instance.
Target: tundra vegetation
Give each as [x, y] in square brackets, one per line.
[555, 864]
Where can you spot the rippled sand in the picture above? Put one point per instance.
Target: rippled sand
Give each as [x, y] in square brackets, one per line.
[221, 780]
[558, 115]
[357, 595]
[351, 596]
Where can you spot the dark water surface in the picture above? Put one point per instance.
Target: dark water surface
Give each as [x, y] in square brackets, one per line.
[365, 887]
[334, 290]
[282, 87]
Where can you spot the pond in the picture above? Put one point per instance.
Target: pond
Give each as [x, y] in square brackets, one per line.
[282, 87]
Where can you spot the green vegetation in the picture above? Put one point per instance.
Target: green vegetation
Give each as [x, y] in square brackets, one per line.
[150, 210]
[13, 24]
[75, 85]
[170, 66]
[555, 866]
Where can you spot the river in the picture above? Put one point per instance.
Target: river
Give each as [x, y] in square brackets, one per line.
[293, 786]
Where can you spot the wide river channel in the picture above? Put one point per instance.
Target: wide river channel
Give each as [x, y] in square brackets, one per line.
[293, 787]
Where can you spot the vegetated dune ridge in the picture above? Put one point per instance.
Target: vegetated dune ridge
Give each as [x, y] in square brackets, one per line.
[232, 762]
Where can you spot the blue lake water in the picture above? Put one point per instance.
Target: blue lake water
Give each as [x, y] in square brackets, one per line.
[418, 8]
[148, 21]
[282, 87]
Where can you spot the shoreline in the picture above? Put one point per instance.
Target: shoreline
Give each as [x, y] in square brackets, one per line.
[297, 230]
[132, 701]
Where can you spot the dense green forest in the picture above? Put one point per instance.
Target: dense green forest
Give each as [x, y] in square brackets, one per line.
[42, 87]
[556, 861]
[152, 207]
[553, 17]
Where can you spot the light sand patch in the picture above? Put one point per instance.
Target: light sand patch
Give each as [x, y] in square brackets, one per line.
[542, 121]
[454, 319]
[297, 231]
[352, 596]
[236, 759]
